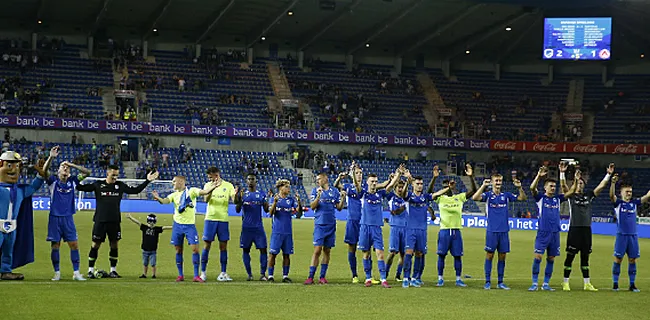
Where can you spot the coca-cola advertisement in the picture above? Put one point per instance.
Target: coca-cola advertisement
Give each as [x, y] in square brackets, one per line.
[625, 148]
[544, 146]
[503, 145]
[584, 148]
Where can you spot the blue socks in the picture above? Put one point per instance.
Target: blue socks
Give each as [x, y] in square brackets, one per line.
[631, 271]
[312, 271]
[223, 258]
[416, 267]
[56, 259]
[501, 269]
[271, 271]
[352, 260]
[204, 259]
[264, 262]
[407, 266]
[536, 264]
[179, 263]
[323, 270]
[488, 270]
[616, 271]
[195, 261]
[441, 265]
[247, 262]
[458, 266]
[548, 272]
[382, 269]
[367, 267]
[285, 271]
[399, 269]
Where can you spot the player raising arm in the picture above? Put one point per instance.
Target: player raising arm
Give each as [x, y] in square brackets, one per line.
[548, 234]
[62, 208]
[627, 240]
[252, 230]
[184, 200]
[108, 217]
[497, 237]
[579, 235]
[282, 210]
[450, 239]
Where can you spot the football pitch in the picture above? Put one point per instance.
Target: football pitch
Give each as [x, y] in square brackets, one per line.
[131, 298]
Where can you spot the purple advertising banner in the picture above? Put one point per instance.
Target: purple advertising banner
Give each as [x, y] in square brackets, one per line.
[231, 132]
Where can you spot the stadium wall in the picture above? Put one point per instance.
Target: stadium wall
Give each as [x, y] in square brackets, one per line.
[60, 136]
[469, 221]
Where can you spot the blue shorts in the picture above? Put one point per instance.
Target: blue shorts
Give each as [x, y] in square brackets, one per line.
[627, 244]
[325, 235]
[450, 241]
[282, 242]
[61, 228]
[216, 228]
[416, 240]
[497, 241]
[370, 236]
[547, 240]
[149, 258]
[352, 228]
[250, 236]
[180, 231]
[397, 239]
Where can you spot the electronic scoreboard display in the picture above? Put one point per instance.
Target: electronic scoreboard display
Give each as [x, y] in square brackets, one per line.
[577, 38]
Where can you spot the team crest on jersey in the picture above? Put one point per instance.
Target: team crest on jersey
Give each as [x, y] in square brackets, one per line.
[117, 187]
[68, 184]
[224, 189]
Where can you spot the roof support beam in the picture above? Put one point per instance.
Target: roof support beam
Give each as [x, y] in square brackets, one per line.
[384, 25]
[430, 34]
[313, 35]
[99, 16]
[156, 16]
[486, 34]
[513, 44]
[269, 26]
[216, 20]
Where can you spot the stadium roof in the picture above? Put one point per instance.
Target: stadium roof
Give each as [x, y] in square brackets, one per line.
[446, 27]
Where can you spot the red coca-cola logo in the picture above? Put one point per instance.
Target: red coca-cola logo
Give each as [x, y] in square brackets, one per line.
[625, 148]
[505, 145]
[545, 147]
[589, 148]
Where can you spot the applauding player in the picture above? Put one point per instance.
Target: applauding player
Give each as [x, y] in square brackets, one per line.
[579, 236]
[324, 200]
[548, 234]
[627, 239]
[497, 235]
[184, 200]
[252, 230]
[282, 210]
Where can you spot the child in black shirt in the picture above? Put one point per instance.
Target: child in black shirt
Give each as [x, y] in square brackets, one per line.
[150, 236]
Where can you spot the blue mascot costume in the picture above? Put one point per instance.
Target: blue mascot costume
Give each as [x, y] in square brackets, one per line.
[16, 217]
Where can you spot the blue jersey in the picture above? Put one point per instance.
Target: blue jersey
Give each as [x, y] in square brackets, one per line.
[496, 210]
[372, 214]
[549, 212]
[284, 209]
[394, 203]
[626, 216]
[252, 205]
[62, 196]
[353, 200]
[417, 210]
[324, 213]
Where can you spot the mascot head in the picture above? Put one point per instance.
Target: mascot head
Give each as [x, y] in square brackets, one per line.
[10, 163]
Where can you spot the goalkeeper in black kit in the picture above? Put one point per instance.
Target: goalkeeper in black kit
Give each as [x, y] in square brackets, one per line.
[107, 218]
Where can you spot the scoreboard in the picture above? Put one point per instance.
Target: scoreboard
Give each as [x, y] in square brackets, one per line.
[577, 38]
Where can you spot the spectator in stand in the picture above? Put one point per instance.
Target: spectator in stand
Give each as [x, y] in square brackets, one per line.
[74, 139]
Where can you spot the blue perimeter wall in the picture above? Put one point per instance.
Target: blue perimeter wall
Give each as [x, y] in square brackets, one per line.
[469, 221]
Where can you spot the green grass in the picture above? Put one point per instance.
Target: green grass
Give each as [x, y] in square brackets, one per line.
[133, 298]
